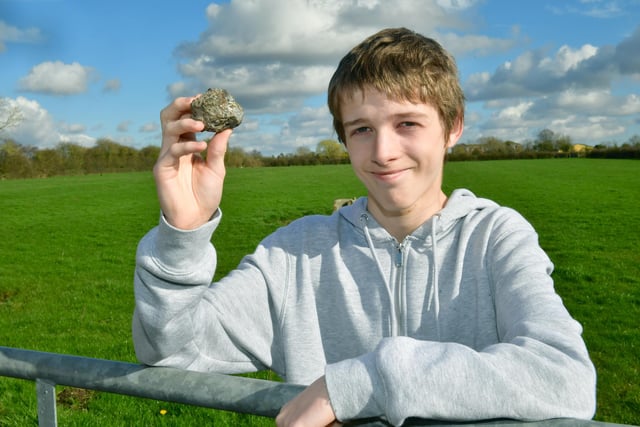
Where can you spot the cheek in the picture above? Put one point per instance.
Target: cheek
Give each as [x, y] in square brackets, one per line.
[354, 155]
[359, 161]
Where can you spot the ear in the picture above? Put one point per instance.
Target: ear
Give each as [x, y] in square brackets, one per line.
[456, 133]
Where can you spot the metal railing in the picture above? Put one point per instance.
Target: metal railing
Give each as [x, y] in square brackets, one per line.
[216, 391]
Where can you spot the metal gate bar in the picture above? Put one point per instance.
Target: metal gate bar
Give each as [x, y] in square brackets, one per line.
[211, 390]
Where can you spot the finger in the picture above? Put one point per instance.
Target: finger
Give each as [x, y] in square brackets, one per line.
[217, 148]
[178, 133]
[176, 109]
[178, 152]
[187, 147]
[182, 129]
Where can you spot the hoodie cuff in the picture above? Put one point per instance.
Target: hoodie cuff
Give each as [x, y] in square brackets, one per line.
[178, 249]
[355, 389]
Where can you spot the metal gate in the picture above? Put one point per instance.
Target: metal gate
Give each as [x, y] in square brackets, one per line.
[217, 391]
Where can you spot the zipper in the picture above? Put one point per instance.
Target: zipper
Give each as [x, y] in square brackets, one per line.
[399, 290]
[399, 254]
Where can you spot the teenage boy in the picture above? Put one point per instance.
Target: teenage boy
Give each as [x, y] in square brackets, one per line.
[408, 303]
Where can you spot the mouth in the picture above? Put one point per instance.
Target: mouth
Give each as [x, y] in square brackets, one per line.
[388, 176]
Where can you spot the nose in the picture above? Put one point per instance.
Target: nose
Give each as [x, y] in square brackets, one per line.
[386, 147]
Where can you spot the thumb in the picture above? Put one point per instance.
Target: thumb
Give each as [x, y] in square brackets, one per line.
[217, 149]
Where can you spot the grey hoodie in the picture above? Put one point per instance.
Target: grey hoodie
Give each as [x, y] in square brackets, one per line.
[460, 321]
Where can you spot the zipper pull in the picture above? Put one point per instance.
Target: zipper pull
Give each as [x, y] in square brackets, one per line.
[399, 256]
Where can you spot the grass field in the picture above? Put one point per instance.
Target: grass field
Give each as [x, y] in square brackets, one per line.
[67, 248]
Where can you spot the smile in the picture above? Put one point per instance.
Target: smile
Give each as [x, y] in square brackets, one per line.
[388, 176]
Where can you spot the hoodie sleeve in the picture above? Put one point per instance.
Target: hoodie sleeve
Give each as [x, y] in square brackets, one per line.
[539, 369]
[182, 319]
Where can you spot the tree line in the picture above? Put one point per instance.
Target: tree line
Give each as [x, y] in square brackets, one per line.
[547, 144]
[18, 161]
[106, 156]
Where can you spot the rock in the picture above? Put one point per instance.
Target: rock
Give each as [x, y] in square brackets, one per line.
[217, 109]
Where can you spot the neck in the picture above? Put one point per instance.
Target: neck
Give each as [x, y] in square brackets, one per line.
[401, 223]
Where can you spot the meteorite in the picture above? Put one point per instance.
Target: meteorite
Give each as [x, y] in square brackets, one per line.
[217, 109]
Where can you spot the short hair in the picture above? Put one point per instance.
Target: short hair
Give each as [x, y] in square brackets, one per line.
[404, 65]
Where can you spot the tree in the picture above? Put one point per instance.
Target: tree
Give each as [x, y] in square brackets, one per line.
[332, 150]
[492, 144]
[546, 135]
[14, 160]
[47, 162]
[545, 140]
[235, 157]
[148, 156]
[9, 115]
[564, 143]
[72, 157]
[109, 156]
[305, 156]
[303, 151]
[512, 146]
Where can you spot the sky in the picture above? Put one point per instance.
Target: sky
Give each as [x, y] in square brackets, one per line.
[83, 70]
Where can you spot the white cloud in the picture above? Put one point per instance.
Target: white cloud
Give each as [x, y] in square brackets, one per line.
[39, 129]
[601, 9]
[515, 112]
[592, 128]
[587, 116]
[533, 73]
[112, 85]
[79, 139]
[275, 56]
[630, 105]
[57, 78]
[475, 44]
[11, 34]
[567, 59]
[456, 4]
[73, 128]
[593, 103]
[280, 134]
[124, 126]
[150, 127]
[242, 51]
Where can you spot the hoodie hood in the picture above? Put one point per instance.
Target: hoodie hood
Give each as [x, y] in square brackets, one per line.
[461, 203]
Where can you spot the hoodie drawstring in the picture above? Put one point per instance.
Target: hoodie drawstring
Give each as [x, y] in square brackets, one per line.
[434, 296]
[434, 292]
[392, 306]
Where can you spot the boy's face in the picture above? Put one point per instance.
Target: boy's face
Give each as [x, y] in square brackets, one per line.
[397, 150]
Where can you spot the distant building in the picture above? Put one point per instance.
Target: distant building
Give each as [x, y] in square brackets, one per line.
[581, 148]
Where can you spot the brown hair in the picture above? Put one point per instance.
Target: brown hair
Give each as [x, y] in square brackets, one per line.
[404, 65]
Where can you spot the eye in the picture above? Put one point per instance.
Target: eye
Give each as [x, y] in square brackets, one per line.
[408, 124]
[360, 130]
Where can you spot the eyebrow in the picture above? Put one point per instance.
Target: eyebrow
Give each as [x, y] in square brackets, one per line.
[408, 115]
[353, 122]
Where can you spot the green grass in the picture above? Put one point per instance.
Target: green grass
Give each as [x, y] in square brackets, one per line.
[67, 247]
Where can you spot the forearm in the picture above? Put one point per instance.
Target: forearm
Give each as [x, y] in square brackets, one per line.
[173, 270]
[535, 366]
[405, 378]
[184, 320]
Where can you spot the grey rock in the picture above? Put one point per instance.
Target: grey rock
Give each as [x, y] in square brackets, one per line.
[218, 110]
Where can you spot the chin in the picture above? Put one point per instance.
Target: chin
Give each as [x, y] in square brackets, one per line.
[393, 207]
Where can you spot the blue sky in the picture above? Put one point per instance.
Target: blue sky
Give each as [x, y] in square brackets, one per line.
[83, 70]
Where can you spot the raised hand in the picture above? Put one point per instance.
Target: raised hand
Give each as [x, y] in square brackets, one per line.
[189, 187]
